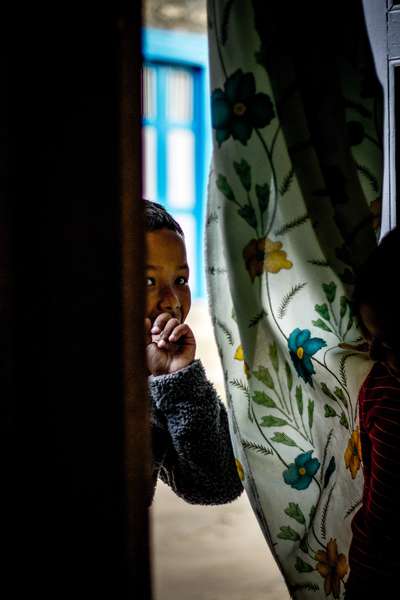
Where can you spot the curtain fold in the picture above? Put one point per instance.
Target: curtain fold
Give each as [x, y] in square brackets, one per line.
[294, 208]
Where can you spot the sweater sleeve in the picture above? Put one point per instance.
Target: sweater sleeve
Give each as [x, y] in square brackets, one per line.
[198, 464]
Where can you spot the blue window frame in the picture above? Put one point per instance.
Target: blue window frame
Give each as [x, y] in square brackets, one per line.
[176, 124]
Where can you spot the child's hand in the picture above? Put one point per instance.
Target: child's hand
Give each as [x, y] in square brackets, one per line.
[170, 345]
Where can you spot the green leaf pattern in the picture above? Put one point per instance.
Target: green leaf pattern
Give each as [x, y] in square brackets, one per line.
[257, 200]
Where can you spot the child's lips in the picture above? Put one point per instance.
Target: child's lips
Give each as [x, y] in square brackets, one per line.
[178, 317]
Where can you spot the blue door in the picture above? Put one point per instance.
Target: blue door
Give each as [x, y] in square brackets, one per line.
[176, 135]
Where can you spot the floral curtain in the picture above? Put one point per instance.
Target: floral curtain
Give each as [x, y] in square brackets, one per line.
[294, 208]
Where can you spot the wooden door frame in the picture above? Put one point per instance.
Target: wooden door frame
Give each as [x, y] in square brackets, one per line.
[74, 413]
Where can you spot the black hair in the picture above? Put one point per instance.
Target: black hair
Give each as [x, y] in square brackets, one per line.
[375, 283]
[156, 217]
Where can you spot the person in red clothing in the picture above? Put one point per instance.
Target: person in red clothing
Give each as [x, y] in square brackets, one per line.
[374, 556]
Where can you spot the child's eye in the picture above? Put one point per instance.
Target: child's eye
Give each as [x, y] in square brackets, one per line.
[150, 281]
[181, 280]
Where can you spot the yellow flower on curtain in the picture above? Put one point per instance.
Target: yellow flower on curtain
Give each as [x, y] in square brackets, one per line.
[240, 469]
[265, 255]
[332, 567]
[239, 355]
[352, 455]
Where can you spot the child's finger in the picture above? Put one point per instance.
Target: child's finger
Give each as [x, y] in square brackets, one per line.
[160, 322]
[168, 329]
[167, 346]
[178, 332]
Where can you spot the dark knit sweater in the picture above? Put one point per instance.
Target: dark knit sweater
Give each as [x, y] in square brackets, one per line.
[192, 450]
[374, 556]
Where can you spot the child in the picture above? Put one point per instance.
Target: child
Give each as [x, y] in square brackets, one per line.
[192, 451]
[374, 553]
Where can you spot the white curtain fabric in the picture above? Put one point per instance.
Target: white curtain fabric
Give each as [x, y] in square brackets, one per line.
[294, 208]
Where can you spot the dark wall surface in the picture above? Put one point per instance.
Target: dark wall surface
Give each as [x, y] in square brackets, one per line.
[65, 523]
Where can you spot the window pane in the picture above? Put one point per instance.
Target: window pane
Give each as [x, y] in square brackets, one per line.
[179, 95]
[149, 93]
[150, 163]
[180, 168]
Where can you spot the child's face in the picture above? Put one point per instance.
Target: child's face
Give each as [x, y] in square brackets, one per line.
[167, 275]
[381, 338]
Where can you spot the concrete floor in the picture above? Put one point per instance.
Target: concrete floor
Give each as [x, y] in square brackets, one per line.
[210, 552]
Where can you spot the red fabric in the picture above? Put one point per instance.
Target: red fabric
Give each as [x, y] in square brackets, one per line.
[374, 554]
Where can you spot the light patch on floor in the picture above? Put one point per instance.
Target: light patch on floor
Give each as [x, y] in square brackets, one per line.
[211, 552]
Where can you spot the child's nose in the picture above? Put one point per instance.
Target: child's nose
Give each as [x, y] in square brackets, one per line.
[169, 300]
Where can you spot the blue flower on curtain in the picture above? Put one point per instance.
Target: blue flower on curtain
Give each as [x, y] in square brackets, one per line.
[300, 473]
[302, 347]
[237, 110]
